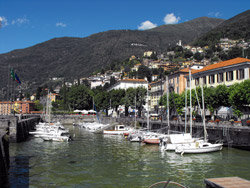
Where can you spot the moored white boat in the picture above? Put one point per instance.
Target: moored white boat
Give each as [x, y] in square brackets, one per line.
[176, 140]
[118, 130]
[58, 137]
[94, 127]
[199, 146]
[154, 138]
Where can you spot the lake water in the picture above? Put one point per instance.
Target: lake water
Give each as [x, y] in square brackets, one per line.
[100, 161]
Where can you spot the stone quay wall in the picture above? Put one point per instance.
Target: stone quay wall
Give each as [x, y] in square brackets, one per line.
[18, 126]
[70, 119]
[4, 152]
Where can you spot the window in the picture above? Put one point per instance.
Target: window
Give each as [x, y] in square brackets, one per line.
[188, 83]
[177, 80]
[211, 79]
[230, 76]
[196, 81]
[204, 80]
[240, 74]
[220, 77]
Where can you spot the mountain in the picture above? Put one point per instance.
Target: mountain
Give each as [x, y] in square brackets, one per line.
[78, 57]
[235, 28]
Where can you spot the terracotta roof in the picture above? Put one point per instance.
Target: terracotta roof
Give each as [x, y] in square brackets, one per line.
[186, 70]
[223, 64]
[133, 80]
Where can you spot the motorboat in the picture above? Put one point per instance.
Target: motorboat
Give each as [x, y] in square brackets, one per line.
[154, 138]
[58, 137]
[48, 129]
[118, 130]
[94, 127]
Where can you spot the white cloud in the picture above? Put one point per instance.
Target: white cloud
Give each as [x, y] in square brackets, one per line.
[60, 24]
[146, 25]
[171, 19]
[214, 14]
[3, 21]
[20, 21]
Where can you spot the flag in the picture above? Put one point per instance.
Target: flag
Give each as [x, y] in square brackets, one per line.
[12, 74]
[17, 79]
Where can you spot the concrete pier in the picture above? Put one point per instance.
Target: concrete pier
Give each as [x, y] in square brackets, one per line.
[227, 182]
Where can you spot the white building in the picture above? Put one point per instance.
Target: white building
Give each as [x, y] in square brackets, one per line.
[129, 83]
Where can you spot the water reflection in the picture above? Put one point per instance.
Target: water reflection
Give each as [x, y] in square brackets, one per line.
[96, 160]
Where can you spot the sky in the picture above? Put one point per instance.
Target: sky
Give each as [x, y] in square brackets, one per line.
[25, 23]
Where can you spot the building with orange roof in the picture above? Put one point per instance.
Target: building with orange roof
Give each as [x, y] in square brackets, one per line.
[177, 80]
[226, 72]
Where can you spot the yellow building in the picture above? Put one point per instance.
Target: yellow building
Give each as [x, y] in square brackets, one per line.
[52, 96]
[226, 72]
[157, 90]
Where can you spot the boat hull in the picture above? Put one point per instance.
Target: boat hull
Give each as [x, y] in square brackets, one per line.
[195, 150]
[113, 132]
[152, 141]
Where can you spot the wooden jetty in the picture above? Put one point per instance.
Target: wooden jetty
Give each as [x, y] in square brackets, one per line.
[227, 182]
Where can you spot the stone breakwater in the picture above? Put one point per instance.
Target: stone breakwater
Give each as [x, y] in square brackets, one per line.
[12, 129]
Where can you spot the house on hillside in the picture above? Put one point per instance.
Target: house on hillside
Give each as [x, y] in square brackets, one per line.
[226, 72]
[136, 67]
[53, 96]
[148, 53]
[95, 82]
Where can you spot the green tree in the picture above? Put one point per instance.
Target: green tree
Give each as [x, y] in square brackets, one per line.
[38, 93]
[38, 106]
[116, 97]
[198, 56]
[128, 99]
[154, 56]
[141, 93]
[112, 81]
[239, 97]
[223, 56]
[102, 101]
[235, 52]
[188, 54]
[79, 97]
[144, 71]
